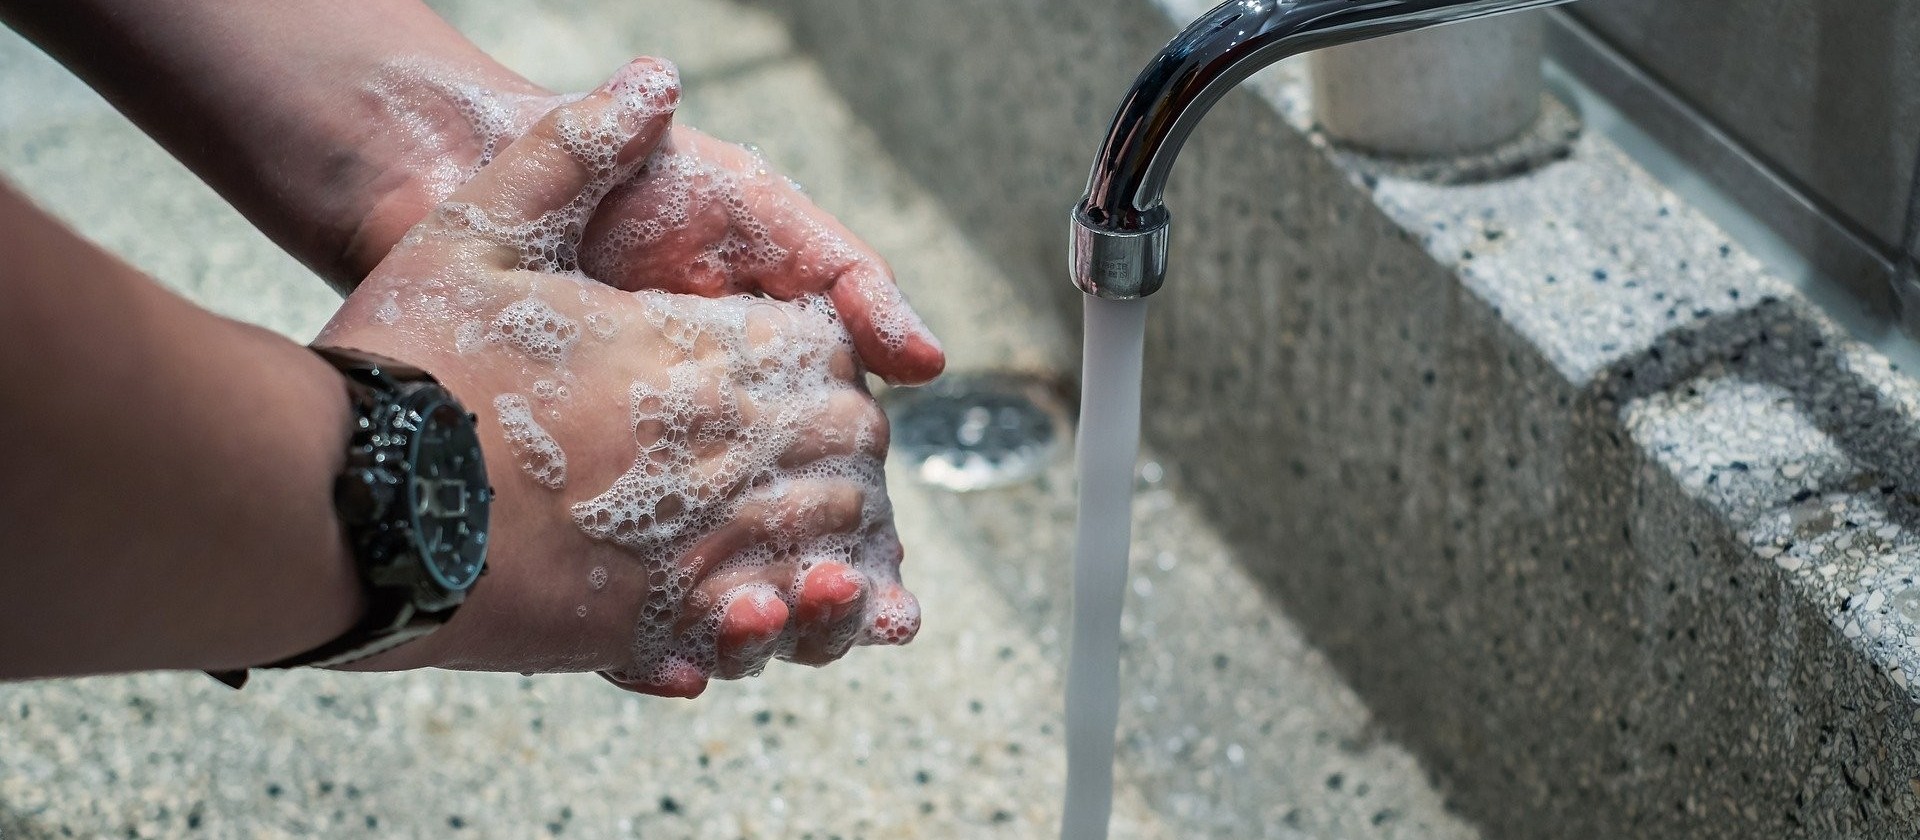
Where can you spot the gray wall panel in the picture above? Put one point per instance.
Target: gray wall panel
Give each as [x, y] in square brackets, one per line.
[1829, 92]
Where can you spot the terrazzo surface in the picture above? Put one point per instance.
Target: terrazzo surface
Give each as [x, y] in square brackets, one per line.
[954, 736]
[1604, 521]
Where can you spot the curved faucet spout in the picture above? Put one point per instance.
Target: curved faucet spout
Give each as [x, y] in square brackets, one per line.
[1119, 245]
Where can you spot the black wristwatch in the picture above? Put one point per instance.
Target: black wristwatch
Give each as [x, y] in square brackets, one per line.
[413, 502]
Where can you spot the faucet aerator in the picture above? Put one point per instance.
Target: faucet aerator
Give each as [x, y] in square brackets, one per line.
[1118, 264]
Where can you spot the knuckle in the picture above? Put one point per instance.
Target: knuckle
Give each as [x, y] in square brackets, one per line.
[552, 129]
[874, 431]
[843, 367]
[843, 505]
[767, 323]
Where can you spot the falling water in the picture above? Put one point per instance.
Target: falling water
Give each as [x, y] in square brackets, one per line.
[1109, 441]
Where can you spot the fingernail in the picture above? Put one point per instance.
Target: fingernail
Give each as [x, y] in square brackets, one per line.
[645, 83]
[858, 584]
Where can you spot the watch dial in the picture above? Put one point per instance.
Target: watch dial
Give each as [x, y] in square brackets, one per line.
[450, 496]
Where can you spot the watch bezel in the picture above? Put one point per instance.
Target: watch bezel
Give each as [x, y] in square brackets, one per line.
[430, 402]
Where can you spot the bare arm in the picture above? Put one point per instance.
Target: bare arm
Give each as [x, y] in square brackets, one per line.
[165, 500]
[270, 103]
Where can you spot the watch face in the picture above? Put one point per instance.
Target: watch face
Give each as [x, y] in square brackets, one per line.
[449, 496]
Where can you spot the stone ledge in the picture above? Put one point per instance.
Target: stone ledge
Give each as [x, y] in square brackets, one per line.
[1608, 524]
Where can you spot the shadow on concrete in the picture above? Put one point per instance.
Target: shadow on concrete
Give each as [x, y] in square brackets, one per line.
[1776, 344]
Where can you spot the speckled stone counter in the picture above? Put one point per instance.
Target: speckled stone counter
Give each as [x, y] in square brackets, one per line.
[1609, 525]
[1235, 726]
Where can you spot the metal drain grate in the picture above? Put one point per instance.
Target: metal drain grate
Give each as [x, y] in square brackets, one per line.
[974, 431]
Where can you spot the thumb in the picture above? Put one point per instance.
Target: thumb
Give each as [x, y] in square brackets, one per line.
[547, 182]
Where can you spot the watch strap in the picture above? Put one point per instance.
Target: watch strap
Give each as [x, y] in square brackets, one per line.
[391, 620]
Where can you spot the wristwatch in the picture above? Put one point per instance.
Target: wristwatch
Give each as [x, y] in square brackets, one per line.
[413, 502]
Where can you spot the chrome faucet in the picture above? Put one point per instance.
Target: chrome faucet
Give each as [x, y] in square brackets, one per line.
[1119, 245]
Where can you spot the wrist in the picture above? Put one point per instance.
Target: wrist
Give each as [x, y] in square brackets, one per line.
[426, 128]
[413, 501]
[307, 589]
[522, 614]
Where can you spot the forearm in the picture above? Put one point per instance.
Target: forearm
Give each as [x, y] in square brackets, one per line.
[275, 104]
[165, 494]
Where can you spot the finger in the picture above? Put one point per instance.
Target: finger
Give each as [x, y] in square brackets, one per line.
[851, 424]
[675, 677]
[889, 335]
[753, 622]
[713, 598]
[753, 617]
[783, 512]
[574, 154]
[893, 613]
[829, 594]
[896, 616]
[821, 255]
[653, 231]
[827, 258]
[692, 220]
[830, 614]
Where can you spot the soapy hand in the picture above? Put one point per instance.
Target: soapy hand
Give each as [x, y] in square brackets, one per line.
[688, 486]
[702, 216]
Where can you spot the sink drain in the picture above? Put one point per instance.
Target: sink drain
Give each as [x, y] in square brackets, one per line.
[973, 431]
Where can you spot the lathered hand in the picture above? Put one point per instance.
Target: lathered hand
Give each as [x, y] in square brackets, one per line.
[688, 486]
[702, 216]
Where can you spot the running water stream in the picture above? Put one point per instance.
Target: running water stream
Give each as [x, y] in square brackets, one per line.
[1109, 441]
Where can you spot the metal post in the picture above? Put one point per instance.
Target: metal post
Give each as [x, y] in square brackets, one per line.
[1441, 92]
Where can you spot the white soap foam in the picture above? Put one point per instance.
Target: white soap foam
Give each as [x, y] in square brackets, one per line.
[535, 328]
[420, 100]
[468, 336]
[427, 105]
[539, 454]
[388, 312]
[603, 326]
